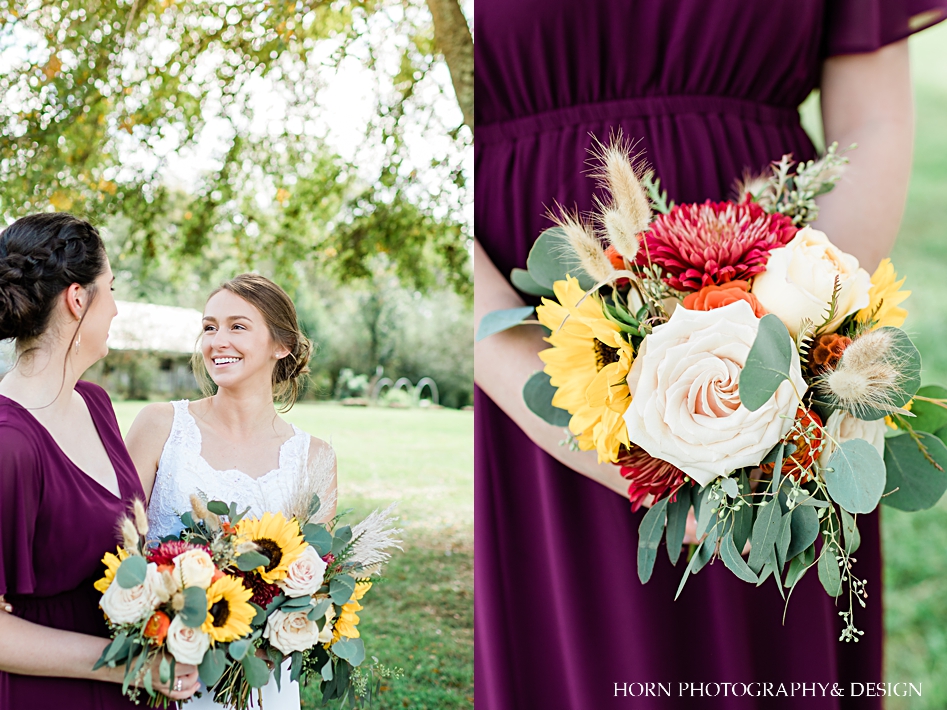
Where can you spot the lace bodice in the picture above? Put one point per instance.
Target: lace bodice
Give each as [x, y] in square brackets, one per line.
[182, 471]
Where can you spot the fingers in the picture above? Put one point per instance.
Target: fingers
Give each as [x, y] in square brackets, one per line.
[690, 529]
[5, 605]
[184, 684]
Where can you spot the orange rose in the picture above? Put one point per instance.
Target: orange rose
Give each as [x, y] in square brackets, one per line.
[618, 261]
[217, 575]
[713, 296]
[157, 627]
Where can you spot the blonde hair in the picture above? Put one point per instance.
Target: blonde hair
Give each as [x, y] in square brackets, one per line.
[279, 313]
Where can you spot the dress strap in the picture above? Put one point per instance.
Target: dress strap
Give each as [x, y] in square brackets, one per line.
[184, 431]
[294, 453]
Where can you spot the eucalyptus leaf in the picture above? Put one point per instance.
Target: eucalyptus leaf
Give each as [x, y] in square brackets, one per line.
[929, 416]
[351, 650]
[855, 476]
[650, 532]
[164, 670]
[296, 666]
[238, 649]
[782, 542]
[691, 564]
[729, 486]
[805, 530]
[341, 589]
[829, 573]
[498, 321]
[677, 522]
[194, 612]
[249, 561]
[326, 671]
[319, 610]
[317, 536]
[525, 283]
[706, 551]
[913, 483]
[799, 565]
[767, 363]
[218, 507]
[255, 670]
[706, 512]
[743, 517]
[551, 258]
[538, 393]
[733, 560]
[131, 572]
[765, 532]
[213, 666]
[850, 532]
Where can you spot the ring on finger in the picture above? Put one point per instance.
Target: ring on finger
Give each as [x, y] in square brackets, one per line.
[178, 684]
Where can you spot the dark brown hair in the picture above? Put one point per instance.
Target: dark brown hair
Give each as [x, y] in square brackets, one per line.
[42, 255]
[279, 313]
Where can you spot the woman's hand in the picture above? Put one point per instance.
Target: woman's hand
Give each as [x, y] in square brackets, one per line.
[182, 686]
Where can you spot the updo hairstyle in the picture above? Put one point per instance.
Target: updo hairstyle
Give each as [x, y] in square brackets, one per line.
[41, 255]
[279, 313]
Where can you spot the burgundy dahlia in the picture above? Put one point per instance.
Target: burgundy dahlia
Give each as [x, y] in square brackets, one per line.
[648, 476]
[165, 552]
[263, 592]
[713, 242]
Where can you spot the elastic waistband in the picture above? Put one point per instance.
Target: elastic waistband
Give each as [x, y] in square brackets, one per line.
[642, 107]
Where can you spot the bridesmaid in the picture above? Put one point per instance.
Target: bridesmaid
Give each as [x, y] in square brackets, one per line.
[65, 476]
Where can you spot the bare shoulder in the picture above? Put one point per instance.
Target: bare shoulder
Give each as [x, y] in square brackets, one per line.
[153, 420]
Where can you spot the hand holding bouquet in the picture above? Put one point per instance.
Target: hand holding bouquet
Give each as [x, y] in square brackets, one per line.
[733, 361]
[236, 595]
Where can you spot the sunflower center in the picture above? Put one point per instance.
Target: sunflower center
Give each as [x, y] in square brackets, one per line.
[604, 354]
[220, 612]
[271, 550]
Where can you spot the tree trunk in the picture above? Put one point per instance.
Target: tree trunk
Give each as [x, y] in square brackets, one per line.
[456, 43]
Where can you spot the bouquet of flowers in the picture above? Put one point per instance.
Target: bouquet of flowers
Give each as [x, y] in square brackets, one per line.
[232, 592]
[732, 360]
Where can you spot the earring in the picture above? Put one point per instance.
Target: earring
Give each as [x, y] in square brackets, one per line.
[77, 342]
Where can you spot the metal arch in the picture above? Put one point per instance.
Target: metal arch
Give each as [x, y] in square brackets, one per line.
[431, 385]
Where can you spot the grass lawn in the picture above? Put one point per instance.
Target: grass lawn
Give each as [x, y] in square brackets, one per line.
[915, 543]
[420, 617]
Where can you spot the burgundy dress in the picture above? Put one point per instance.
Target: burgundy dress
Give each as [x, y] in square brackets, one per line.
[55, 524]
[708, 88]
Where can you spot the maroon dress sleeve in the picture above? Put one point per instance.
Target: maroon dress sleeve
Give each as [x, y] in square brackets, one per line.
[21, 488]
[855, 26]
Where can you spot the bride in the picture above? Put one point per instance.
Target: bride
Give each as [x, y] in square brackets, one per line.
[232, 445]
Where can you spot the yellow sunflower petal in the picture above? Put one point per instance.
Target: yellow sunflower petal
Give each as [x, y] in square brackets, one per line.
[884, 298]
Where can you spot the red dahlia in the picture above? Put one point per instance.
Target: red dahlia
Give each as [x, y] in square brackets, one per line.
[165, 553]
[263, 592]
[713, 243]
[648, 476]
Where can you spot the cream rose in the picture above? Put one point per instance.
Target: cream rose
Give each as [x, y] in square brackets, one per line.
[842, 426]
[800, 277]
[194, 568]
[304, 576]
[685, 405]
[187, 645]
[128, 606]
[291, 631]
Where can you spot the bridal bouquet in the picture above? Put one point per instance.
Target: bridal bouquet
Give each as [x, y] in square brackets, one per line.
[232, 592]
[731, 359]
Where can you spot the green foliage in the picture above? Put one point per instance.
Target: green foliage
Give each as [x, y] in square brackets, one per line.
[650, 532]
[100, 97]
[131, 572]
[538, 394]
[550, 259]
[913, 482]
[855, 476]
[498, 321]
[767, 363]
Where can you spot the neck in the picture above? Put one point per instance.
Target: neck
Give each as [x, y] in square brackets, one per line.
[43, 378]
[241, 411]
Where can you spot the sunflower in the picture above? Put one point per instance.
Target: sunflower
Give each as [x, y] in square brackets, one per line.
[884, 297]
[347, 623]
[277, 538]
[228, 610]
[111, 563]
[587, 363]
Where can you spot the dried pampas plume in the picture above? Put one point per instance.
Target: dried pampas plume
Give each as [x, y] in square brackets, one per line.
[371, 539]
[585, 245]
[130, 538]
[141, 517]
[199, 508]
[868, 377]
[630, 211]
[316, 480]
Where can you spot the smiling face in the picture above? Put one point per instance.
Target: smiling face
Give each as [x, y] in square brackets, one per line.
[237, 346]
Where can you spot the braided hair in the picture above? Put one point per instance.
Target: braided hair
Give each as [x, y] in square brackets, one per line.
[41, 255]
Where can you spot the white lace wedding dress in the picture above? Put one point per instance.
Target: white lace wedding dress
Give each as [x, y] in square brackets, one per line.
[182, 471]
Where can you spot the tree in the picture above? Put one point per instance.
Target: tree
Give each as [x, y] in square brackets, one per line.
[99, 96]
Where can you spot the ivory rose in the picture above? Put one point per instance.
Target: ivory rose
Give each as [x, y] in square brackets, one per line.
[800, 277]
[685, 405]
[128, 606]
[305, 574]
[291, 631]
[842, 426]
[186, 644]
[194, 568]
